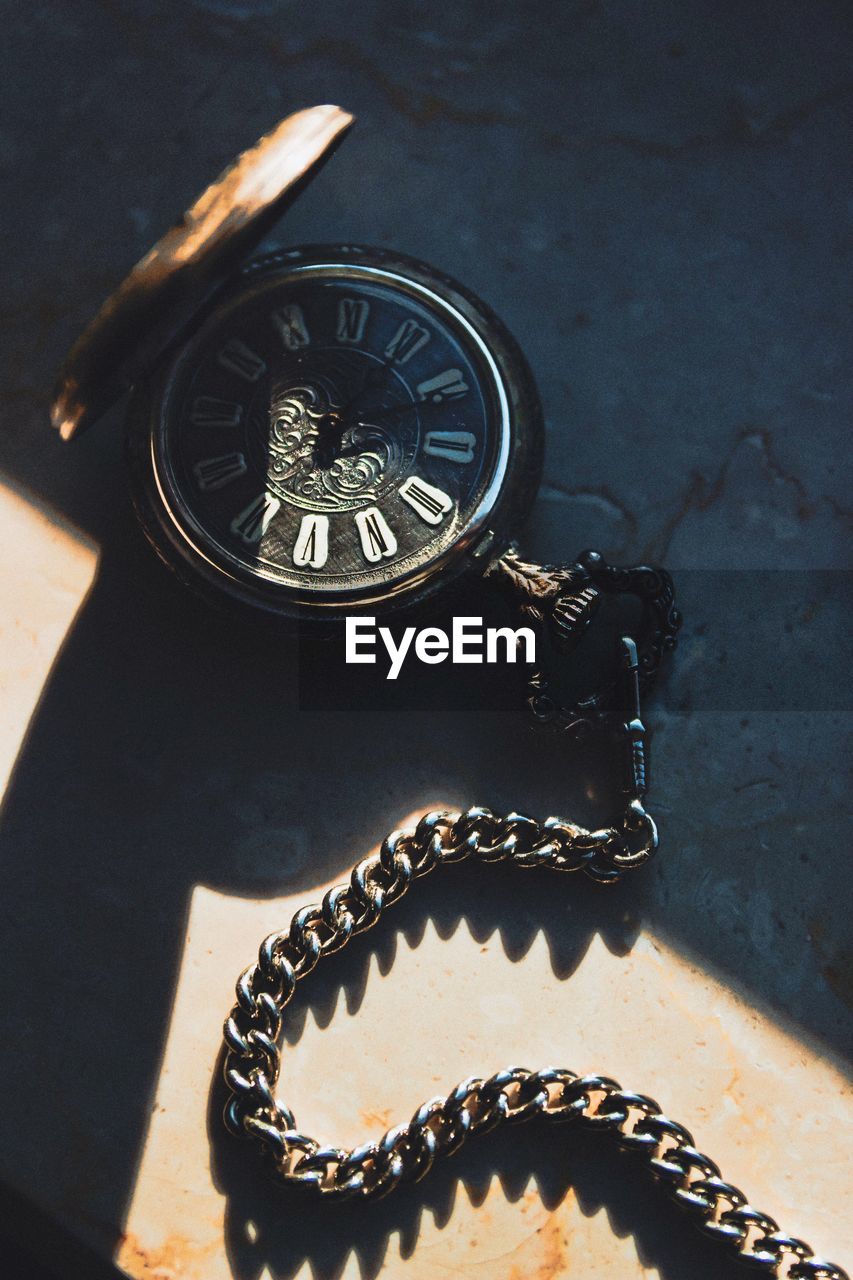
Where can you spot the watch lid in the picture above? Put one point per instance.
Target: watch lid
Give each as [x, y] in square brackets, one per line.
[176, 277]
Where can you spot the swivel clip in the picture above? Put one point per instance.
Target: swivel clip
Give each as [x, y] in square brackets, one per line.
[639, 836]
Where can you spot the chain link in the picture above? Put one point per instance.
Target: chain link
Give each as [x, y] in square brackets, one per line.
[439, 1127]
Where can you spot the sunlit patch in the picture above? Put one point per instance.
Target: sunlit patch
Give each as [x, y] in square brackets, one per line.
[448, 1007]
[48, 570]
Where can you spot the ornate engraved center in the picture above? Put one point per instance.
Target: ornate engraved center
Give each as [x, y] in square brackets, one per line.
[303, 470]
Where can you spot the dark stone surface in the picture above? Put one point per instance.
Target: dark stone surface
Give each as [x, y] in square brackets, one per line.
[657, 199]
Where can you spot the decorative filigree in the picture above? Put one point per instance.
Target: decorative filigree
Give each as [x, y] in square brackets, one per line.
[295, 417]
[560, 601]
[559, 597]
[365, 459]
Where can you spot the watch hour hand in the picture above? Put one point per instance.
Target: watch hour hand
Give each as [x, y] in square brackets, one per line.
[374, 373]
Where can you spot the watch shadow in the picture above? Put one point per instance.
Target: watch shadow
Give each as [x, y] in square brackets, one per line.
[171, 746]
[175, 745]
[161, 741]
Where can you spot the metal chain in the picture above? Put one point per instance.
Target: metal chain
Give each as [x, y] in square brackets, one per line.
[440, 1126]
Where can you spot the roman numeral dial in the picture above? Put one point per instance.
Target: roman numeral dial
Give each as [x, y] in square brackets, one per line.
[406, 342]
[253, 521]
[336, 433]
[455, 446]
[449, 385]
[431, 504]
[377, 540]
[210, 411]
[351, 319]
[238, 358]
[215, 473]
[312, 544]
[289, 323]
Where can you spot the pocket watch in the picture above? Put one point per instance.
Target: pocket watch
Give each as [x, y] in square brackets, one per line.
[335, 429]
[346, 428]
[328, 429]
[321, 429]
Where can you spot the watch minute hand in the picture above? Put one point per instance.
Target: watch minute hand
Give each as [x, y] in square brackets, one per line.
[395, 410]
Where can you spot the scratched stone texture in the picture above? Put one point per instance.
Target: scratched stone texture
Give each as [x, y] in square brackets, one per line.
[657, 199]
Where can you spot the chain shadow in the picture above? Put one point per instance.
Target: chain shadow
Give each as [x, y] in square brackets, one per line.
[268, 1225]
[171, 746]
[147, 689]
[477, 896]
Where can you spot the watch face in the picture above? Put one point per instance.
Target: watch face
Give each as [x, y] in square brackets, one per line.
[341, 430]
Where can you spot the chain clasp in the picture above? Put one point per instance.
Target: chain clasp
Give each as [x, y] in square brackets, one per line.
[638, 824]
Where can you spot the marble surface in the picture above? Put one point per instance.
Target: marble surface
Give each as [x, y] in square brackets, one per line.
[657, 200]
